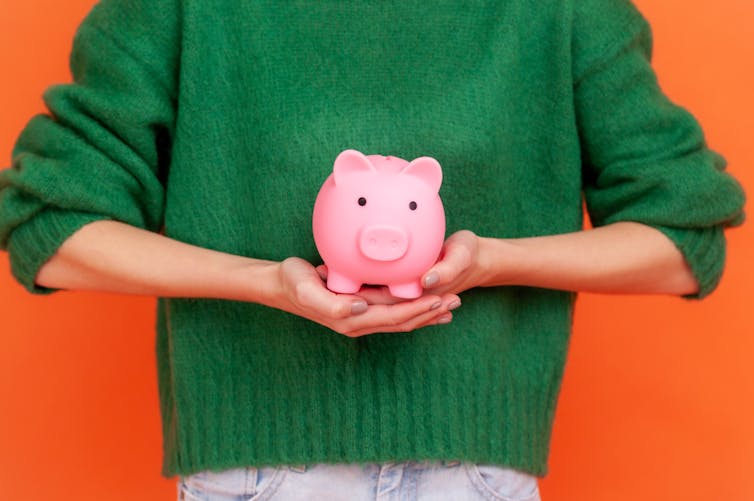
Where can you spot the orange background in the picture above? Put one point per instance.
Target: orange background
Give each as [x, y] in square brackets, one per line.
[658, 406]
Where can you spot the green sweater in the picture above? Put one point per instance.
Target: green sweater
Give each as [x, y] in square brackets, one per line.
[216, 123]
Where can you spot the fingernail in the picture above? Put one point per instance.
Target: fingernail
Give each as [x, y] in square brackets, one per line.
[358, 307]
[431, 279]
[454, 304]
[445, 319]
[435, 305]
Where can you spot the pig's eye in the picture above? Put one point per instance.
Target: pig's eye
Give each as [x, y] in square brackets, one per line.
[362, 201]
[412, 206]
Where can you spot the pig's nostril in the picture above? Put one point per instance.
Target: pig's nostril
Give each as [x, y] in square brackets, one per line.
[394, 244]
[372, 241]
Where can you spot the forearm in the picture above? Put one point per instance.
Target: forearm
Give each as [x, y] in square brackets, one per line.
[621, 258]
[110, 256]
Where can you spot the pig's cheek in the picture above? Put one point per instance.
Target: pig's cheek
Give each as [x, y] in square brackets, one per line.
[431, 224]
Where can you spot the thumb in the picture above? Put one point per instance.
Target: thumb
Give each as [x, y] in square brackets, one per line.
[456, 256]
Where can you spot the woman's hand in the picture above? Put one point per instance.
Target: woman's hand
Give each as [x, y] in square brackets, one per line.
[461, 266]
[619, 258]
[115, 257]
[301, 291]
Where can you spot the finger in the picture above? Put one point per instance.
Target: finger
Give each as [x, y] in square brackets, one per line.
[438, 316]
[458, 253]
[427, 319]
[386, 318]
[402, 321]
[322, 271]
[378, 295]
[450, 302]
[313, 295]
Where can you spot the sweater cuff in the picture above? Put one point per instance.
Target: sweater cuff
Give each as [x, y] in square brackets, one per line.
[33, 243]
[704, 250]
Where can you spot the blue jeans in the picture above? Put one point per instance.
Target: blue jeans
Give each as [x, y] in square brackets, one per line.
[415, 481]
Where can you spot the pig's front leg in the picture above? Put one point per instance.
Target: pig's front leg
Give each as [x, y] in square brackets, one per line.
[409, 290]
[337, 282]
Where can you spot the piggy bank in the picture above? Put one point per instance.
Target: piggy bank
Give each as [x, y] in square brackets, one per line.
[380, 221]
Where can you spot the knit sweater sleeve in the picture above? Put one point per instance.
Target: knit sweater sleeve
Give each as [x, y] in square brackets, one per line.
[103, 149]
[644, 158]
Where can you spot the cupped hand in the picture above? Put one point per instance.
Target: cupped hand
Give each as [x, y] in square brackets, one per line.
[461, 265]
[300, 290]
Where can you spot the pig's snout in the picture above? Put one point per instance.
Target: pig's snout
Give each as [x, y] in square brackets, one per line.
[383, 243]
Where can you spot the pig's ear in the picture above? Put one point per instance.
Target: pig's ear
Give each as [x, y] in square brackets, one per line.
[351, 162]
[427, 169]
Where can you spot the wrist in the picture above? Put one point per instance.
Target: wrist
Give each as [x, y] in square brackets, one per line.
[501, 262]
[251, 280]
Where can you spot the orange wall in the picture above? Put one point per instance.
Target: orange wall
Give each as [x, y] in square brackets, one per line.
[658, 407]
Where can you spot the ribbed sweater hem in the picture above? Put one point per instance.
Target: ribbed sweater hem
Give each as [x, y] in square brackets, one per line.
[385, 397]
[33, 243]
[704, 251]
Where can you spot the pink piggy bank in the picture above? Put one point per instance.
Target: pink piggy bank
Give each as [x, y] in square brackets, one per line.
[379, 220]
